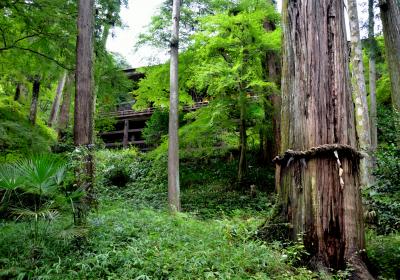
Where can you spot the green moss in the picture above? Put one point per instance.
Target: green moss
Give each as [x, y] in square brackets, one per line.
[18, 136]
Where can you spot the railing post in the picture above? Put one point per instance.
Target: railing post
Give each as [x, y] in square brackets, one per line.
[126, 132]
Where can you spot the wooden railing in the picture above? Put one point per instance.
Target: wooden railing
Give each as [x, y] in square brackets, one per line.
[129, 116]
[121, 114]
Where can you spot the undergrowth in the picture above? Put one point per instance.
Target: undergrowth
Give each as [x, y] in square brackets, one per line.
[18, 137]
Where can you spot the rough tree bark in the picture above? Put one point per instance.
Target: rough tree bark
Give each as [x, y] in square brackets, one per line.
[56, 103]
[35, 100]
[319, 188]
[273, 68]
[372, 75]
[173, 144]
[84, 104]
[360, 95]
[390, 16]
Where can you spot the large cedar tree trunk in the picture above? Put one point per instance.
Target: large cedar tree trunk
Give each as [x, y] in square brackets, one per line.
[390, 16]
[84, 104]
[56, 103]
[319, 189]
[35, 100]
[360, 95]
[173, 144]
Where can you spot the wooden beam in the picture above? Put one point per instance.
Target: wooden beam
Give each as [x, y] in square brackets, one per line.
[126, 132]
[120, 131]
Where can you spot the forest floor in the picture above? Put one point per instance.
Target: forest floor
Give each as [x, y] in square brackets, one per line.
[131, 235]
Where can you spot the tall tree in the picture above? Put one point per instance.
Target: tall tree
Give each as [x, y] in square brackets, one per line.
[273, 73]
[173, 146]
[360, 94]
[65, 106]
[84, 103]
[228, 64]
[317, 176]
[35, 99]
[56, 103]
[390, 16]
[372, 75]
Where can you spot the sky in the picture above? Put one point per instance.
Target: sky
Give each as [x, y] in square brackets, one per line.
[135, 19]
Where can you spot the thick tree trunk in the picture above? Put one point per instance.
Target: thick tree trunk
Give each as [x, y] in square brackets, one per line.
[35, 100]
[56, 103]
[17, 94]
[63, 120]
[390, 16]
[360, 95]
[173, 144]
[84, 104]
[242, 168]
[319, 188]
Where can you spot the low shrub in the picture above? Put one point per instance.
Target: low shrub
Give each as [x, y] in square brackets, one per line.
[383, 198]
[384, 254]
[113, 166]
[18, 137]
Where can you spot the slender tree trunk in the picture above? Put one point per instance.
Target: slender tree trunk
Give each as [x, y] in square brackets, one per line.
[35, 100]
[273, 66]
[360, 95]
[372, 75]
[173, 144]
[318, 179]
[63, 120]
[56, 103]
[242, 169]
[17, 94]
[390, 16]
[84, 104]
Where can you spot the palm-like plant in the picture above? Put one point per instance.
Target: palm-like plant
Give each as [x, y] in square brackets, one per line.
[39, 177]
[41, 174]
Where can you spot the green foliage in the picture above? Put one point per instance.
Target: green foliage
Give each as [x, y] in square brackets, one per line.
[384, 254]
[145, 244]
[387, 132]
[383, 89]
[153, 90]
[158, 32]
[206, 183]
[113, 167]
[112, 85]
[383, 198]
[156, 127]
[17, 135]
[32, 189]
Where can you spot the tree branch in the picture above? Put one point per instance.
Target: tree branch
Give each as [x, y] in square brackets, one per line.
[39, 54]
[47, 57]
[4, 37]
